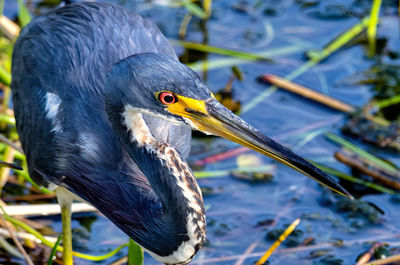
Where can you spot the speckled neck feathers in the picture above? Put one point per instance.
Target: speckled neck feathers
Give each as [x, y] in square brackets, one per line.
[175, 185]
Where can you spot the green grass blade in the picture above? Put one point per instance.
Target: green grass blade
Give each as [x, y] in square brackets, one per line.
[46, 242]
[25, 175]
[371, 158]
[1, 7]
[10, 249]
[340, 40]
[211, 174]
[388, 102]
[18, 155]
[135, 253]
[6, 97]
[195, 9]
[207, 4]
[373, 22]
[5, 76]
[7, 119]
[228, 62]
[54, 251]
[217, 50]
[307, 137]
[98, 258]
[23, 14]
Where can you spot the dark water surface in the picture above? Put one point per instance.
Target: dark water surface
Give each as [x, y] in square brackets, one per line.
[236, 207]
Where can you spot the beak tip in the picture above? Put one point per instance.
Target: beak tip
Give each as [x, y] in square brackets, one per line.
[336, 187]
[348, 195]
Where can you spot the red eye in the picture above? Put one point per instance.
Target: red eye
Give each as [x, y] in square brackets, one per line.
[166, 98]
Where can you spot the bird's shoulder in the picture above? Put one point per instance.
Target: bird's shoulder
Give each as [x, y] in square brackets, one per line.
[69, 51]
[70, 36]
[59, 63]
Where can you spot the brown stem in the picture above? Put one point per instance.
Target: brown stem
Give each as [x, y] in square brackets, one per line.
[357, 163]
[308, 93]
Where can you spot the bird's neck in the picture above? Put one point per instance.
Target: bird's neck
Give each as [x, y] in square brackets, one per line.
[173, 181]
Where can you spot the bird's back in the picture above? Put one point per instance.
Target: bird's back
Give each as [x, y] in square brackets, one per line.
[59, 64]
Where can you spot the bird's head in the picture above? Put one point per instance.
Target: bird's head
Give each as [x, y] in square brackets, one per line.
[157, 84]
[164, 88]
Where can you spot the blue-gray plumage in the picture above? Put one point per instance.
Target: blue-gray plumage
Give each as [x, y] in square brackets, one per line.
[105, 110]
[63, 126]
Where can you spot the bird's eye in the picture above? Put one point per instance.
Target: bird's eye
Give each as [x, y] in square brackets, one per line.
[166, 98]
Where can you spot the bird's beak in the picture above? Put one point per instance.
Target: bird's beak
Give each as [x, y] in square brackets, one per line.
[212, 117]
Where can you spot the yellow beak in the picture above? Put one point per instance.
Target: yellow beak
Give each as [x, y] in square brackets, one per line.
[213, 118]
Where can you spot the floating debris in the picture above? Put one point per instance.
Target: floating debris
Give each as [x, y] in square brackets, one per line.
[377, 251]
[318, 253]
[222, 229]
[374, 133]
[293, 240]
[266, 222]
[357, 213]
[208, 190]
[284, 235]
[253, 176]
[329, 260]
[226, 94]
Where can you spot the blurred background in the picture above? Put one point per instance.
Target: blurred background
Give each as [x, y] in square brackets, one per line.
[246, 52]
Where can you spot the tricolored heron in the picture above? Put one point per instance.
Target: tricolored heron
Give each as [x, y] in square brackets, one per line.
[105, 110]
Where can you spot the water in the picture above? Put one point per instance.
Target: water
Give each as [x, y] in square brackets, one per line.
[235, 207]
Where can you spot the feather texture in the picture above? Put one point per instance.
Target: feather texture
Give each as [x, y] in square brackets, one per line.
[60, 62]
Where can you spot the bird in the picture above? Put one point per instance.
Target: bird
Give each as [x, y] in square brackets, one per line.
[105, 111]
